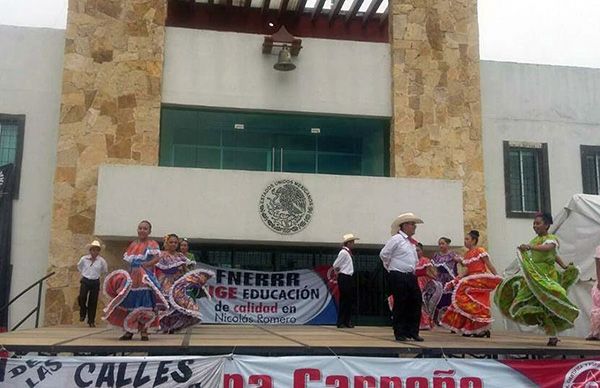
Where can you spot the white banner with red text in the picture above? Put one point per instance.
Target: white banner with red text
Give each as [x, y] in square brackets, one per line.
[373, 372]
[66, 372]
[256, 297]
[232, 371]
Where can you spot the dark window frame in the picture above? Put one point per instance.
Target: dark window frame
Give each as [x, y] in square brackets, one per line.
[19, 120]
[543, 173]
[585, 151]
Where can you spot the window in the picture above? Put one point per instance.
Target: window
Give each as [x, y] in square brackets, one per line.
[12, 129]
[261, 141]
[590, 169]
[526, 179]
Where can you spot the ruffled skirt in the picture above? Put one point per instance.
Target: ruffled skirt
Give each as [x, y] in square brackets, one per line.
[184, 310]
[470, 308]
[431, 292]
[136, 303]
[595, 313]
[538, 296]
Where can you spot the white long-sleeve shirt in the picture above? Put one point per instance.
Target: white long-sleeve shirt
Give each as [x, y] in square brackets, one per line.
[92, 269]
[399, 254]
[343, 263]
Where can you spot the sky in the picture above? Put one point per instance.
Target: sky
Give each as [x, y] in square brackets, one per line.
[556, 32]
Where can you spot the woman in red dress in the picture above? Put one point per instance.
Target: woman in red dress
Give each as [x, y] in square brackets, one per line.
[137, 303]
[424, 262]
[469, 312]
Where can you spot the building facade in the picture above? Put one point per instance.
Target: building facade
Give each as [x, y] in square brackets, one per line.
[128, 66]
[30, 79]
[167, 115]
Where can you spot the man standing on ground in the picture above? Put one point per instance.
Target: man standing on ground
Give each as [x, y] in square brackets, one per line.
[344, 268]
[399, 257]
[91, 267]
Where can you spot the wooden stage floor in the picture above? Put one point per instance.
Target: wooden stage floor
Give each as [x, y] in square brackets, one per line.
[289, 340]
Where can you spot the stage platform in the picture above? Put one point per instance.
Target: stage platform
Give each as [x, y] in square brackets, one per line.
[290, 340]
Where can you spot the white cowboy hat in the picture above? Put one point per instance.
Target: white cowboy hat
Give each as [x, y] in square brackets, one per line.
[94, 243]
[403, 218]
[349, 237]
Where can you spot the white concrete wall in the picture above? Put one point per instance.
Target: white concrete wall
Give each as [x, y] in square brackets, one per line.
[30, 83]
[535, 103]
[228, 70]
[543, 104]
[222, 205]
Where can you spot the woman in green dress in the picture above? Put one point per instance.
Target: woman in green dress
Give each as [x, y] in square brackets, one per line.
[537, 295]
[184, 247]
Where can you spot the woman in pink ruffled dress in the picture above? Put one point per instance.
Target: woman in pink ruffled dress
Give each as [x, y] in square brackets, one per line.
[136, 303]
[426, 322]
[175, 280]
[595, 313]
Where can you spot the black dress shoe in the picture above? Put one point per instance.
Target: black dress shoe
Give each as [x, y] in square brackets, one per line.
[350, 326]
[553, 341]
[92, 324]
[126, 337]
[81, 319]
[340, 326]
[400, 338]
[418, 338]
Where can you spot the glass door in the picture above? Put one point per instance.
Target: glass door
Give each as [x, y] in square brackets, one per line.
[296, 153]
[247, 150]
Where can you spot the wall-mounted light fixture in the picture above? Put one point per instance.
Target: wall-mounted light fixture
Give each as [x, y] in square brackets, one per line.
[290, 46]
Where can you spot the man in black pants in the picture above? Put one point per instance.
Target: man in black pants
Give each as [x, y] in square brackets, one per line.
[91, 267]
[399, 257]
[344, 268]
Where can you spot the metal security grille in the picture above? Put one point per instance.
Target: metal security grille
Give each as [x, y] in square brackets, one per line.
[371, 283]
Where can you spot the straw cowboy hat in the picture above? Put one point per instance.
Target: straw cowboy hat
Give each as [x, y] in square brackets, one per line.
[349, 237]
[403, 218]
[96, 244]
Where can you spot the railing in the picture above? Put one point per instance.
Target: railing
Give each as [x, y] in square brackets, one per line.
[39, 301]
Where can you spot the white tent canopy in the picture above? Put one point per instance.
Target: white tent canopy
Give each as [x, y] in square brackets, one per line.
[577, 227]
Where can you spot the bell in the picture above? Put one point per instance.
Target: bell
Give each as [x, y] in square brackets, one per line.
[284, 60]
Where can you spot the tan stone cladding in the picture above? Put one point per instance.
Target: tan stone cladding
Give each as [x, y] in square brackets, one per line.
[110, 112]
[436, 125]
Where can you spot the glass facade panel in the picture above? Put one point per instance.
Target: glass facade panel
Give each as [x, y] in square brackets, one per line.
[246, 159]
[274, 142]
[341, 164]
[208, 157]
[184, 155]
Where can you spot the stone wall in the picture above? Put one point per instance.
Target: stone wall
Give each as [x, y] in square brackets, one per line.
[110, 111]
[436, 125]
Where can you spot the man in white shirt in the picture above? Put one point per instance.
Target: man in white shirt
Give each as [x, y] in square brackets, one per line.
[91, 267]
[344, 268]
[399, 257]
